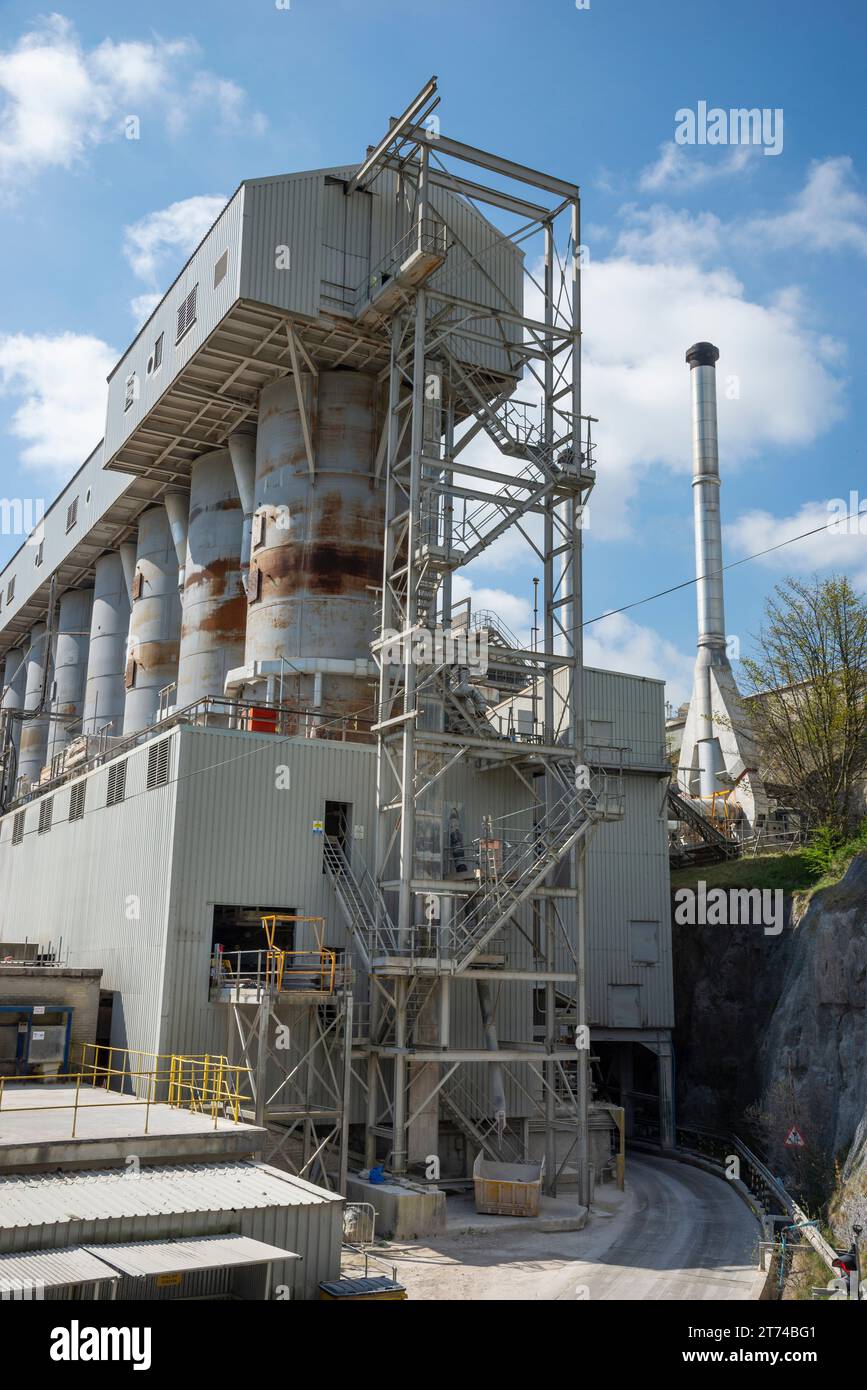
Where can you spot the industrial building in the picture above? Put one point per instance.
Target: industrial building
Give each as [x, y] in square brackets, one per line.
[217, 709]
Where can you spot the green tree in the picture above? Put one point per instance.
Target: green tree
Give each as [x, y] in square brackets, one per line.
[809, 677]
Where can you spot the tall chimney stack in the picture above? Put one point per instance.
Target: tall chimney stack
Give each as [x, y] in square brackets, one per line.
[702, 359]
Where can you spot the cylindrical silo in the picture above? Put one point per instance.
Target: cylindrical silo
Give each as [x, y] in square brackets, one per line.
[14, 681]
[215, 604]
[70, 668]
[34, 732]
[155, 621]
[109, 628]
[317, 543]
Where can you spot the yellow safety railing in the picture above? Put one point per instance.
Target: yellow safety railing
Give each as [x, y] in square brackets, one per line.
[207, 1084]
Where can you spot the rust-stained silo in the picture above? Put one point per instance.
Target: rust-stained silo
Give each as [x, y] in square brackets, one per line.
[70, 668]
[34, 732]
[155, 621]
[214, 602]
[14, 679]
[316, 554]
[109, 628]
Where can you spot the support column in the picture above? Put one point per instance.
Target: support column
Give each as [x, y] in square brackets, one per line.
[109, 629]
[34, 732]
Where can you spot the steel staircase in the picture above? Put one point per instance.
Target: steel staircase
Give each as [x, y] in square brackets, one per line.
[479, 1130]
[687, 811]
[505, 885]
[361, 902]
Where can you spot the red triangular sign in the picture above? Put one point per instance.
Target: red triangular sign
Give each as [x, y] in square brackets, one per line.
[794, 1139]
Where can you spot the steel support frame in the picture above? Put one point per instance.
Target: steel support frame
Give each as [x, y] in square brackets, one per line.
[417, 469]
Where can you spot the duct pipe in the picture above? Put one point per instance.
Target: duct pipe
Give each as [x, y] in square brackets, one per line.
[702, 359]
[258, 671]
[242, 449]
[70, 668]
[495, 1070]
[109, 627]
[177, 506]
[127, 560]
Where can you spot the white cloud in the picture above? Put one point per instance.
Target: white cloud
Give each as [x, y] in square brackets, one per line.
[660, 233]
[61, 384]
[143, 305]
[169, 234]
[616, 643]
[829, 213]
[692, 166]
[58, 100]
[840, 547]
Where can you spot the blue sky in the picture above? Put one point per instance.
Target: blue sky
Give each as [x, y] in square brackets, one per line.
[763, 254]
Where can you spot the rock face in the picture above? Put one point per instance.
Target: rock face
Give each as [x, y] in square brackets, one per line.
[778, 1026]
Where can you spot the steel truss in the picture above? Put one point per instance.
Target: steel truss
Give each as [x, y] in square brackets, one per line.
[297, 1046]
[442, 512]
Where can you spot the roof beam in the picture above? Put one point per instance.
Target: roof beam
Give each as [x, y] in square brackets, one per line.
[397, 131]
[507, 167]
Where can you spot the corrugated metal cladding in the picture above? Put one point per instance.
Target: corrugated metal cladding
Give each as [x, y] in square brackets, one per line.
[249, 1199]
[225, 833]
[212, 303]
[99, 886]
[95, 490]
[336, 242]
[634, 707]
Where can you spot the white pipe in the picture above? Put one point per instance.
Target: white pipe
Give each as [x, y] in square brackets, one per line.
[177, 506]
[242, 449]
[127, 560]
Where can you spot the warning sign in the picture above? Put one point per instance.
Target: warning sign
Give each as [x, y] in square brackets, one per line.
[794, 1139]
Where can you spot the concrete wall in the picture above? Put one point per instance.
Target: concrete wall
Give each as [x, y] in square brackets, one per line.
[40, 984]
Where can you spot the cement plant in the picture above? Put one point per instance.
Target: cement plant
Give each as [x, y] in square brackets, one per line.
[373, 937]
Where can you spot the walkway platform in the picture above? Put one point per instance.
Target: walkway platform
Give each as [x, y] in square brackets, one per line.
[41, 1129]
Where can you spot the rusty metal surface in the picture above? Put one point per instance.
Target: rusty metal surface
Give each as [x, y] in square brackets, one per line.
[215, 604]
[317, 544]
[155, 621]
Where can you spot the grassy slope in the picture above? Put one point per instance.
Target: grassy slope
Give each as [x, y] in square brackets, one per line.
[790, 871]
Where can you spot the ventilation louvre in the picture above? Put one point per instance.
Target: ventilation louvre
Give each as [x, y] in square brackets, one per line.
[18, 827]
[187, 313]
[158, 764]
[116, 784]
[76, 800]
[46, 810]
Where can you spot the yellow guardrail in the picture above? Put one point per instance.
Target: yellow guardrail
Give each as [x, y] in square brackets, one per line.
[207, 1084]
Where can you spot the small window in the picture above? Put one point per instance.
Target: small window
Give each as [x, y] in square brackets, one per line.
[187, 313]
[45, 813]
[156, 357]
[116, 784]
[130, 391]
[158, 764]
[72, 514]
[18, 827]
[87, 496]
[220, 269]
[644, 942]
[76, 800]
[10, 590]
[40, 551]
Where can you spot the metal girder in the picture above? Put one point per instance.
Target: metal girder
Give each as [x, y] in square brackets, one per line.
[498, 165]
[398, 131]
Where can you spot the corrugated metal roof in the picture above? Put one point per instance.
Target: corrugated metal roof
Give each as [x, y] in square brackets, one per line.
[44, 1269]
[105, 1194]
[145, 1257]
